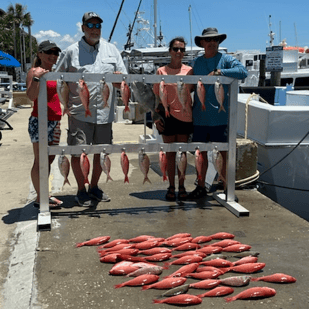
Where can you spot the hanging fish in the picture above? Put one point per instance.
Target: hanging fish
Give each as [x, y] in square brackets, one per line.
[183, 94]
[125, 95]
[219, 92]
[181, 160]
[201, 93]
[64, 167]
[199, 162]
[217, 160]
[124, 161]
[163, 163]
[163, 97]
[85, 166]
[144, 164]
[104, 89]
[105, 163]
[63, 94]
[84, 96]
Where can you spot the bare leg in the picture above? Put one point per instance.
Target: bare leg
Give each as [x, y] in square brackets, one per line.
[201, 182]
[75, 163]
[96, 170]
[170, 157]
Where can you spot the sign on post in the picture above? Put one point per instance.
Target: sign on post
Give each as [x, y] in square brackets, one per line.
[274, 58]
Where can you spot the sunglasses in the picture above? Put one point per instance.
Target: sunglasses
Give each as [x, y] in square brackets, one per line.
[211, 39]
[51, 52]
[91, 25]
[176, 49]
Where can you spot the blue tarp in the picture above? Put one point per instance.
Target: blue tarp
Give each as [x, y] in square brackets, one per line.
[7, 60]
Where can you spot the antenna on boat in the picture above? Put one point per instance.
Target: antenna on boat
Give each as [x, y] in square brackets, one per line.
[271, 34]
[115, 23]
[155, 22]
[190, 21]
[296, 41]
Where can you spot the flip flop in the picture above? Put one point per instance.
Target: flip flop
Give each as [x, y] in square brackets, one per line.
[51, 205]
[54, 200]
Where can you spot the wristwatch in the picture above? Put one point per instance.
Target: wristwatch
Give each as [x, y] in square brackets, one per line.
[35, 79]
[217, 72]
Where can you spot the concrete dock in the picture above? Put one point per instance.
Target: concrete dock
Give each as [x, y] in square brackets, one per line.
[43, 269]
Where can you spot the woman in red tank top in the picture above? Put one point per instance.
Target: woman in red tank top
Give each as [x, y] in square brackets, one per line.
[46, 57]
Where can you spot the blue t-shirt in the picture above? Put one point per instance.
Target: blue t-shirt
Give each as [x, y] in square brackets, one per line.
[230, 67]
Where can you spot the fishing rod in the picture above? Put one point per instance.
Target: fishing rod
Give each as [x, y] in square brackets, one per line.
[110, 37]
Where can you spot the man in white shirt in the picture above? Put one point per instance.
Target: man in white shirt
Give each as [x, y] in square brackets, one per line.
[90, 55]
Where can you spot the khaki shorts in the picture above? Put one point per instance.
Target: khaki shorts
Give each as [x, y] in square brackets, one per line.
[86, 133]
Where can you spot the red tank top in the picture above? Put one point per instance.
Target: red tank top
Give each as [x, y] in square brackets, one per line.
[53, 104]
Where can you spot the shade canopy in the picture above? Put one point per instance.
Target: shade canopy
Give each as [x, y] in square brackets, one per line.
[7, 60]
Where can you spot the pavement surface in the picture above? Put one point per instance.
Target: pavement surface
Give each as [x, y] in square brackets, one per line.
[43, 269]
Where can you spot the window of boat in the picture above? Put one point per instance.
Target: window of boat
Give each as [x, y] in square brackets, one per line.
[302, 81]
[285, 81]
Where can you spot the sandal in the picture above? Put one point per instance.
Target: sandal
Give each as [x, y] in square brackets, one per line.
[182, 194]
[54, 203]
[170, 195]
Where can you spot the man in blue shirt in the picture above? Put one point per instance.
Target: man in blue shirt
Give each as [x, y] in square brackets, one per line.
[90, 55]
[211, 125]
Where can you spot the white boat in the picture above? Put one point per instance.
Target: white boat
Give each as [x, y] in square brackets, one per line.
[281, 131]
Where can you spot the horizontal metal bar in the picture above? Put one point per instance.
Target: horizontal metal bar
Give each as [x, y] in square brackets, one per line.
[132, 147]
[130, 78]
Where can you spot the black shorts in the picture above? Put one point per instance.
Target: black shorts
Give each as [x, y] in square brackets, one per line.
[173, 126]
[206, 134]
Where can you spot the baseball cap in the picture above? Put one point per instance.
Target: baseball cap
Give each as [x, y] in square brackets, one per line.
[90, 15]
[46, 45]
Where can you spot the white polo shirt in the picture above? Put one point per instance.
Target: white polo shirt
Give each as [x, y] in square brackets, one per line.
[102, 58]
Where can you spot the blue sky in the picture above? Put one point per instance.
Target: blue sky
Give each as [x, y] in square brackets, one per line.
[245, 22]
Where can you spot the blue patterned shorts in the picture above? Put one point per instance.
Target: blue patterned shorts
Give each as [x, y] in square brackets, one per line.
[53, 128]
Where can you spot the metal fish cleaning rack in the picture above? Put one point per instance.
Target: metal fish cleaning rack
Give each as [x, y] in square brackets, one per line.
[227, 200]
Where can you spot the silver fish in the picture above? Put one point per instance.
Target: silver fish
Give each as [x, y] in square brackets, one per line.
[152, 270]
[63, 94]
[182, 289]
[215, 256]
[219, 92]
[144, 95]
[246, 253]
[236, 281]
[181, 160]
[64, 167]
[105, 163]
[217, 160]
[144, 164]
[183, 93]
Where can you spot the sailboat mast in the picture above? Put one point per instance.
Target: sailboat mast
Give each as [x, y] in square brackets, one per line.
[155, 22]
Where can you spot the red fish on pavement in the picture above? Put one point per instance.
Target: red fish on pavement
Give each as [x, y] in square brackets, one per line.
[220, 270]
[199, 162]
[187, 246]
[64, 167]
[245, 260]
[138, 281]
[179, 235]
[236, 248]
[121, 251]
[163, 163]
[182, 271]
[163, 97]
[236, 281]
[219, 92]
[201, 254]
[155, 250]
[84, 166]
[167, 283]
[122, 271]
[159, 257]
[114, 243]
[118, 247]
[175, 242]
[110, 258]
[144, 164]
[182, 299]
[188, 259]
[218, 291]
[210, 249]
[124, 161]
[201, 93]
[84, 96]
[276, 278]
[225, 242]
[105, 163]
[204, 275]
[125, 95]
[94, 241]
[248, 268]
[148, 244]
[141, 238]
[217, 263]
[131, 258]
[222, 235]
[104, 92]
[205, 284]
[201, 239]
[253, 293]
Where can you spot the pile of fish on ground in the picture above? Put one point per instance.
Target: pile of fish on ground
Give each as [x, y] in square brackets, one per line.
[204, 258]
